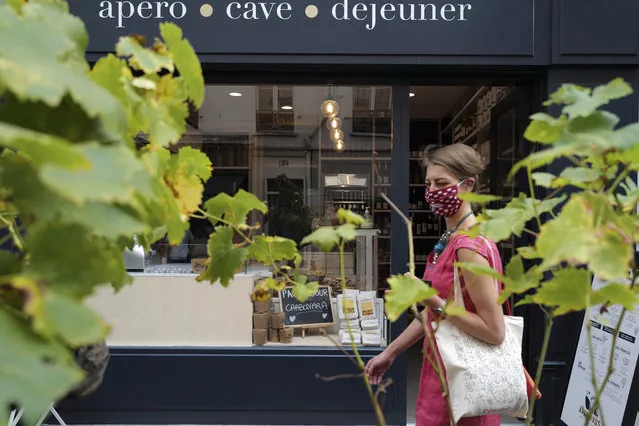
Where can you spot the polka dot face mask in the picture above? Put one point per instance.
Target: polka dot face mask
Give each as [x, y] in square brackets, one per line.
[444, 201]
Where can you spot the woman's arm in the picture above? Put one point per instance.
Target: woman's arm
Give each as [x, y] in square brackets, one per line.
[488, 323]
[408, 338]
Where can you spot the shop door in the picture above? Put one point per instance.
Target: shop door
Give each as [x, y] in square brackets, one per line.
[507, 145]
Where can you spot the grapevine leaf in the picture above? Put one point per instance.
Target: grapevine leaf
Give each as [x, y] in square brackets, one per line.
[404, 293]
[625, 138]
[185, 174]
[611, 255]
[544, 157]
[618, 294]
[580, 175]
[454, 310]
[544, 129]
[42, 59]
[75, 323]
[267, 249]
[234, 209]
[326, 238]
[569, 290]
[543, 179]
[347, 232]
[517, 282]
[515, 268]
[186, 61]
[479, 269]
[9, 263]
[41, 148]
[475, 198]
[98, 182]
[28, 192]
[582, 102]
[142, 58]
[33, 371]
[303, 289]
[348, 217]
[274, 284]
[225, 259]
[166, 111]
[57, 250]
[528, 252]
[599, 123]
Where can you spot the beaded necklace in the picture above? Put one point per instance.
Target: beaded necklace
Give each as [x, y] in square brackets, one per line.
[443, 241]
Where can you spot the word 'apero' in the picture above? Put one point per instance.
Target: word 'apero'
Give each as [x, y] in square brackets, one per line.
[124, 9]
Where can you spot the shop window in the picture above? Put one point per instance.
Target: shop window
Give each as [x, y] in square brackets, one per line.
[275, 142]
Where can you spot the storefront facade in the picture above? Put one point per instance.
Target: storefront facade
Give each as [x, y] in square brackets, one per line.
[276, 55]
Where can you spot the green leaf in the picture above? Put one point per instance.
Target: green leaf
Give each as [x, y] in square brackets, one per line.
[348, 217]
[67, 318]
[325, 237]
[580, 175]
[500, 224]
[543, 179]
[99, 182]
[234, 209]
[527, 252]
[165, 111]
[302, 289]
[587, 232]
[267, 249]
[9, 263]
[141, 57]
[515, 268]
[404, 293]
[347, 232]
[33, 371]
[186, 61]
[185, 175]
[518, 282]
[569, 290]
[72, 261]
[544, 129]
[582, 102]
[617, 294]
[475, 198]
[479, 269]
[41, 148]
[615, 89]
[225, 258]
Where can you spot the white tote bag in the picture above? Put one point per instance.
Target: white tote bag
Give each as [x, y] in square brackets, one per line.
[483, 378]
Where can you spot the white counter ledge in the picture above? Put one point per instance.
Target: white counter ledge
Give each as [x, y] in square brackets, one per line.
[176, 310]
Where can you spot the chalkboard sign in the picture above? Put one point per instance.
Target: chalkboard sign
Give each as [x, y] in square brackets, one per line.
[316, 311]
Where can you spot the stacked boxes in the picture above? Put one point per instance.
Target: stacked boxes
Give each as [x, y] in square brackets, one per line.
[262, 310]
[347, 311]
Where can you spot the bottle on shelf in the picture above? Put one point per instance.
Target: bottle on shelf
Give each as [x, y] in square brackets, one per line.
[419, 228]
[413, 200]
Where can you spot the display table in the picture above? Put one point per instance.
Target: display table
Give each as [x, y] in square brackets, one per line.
[176, 310]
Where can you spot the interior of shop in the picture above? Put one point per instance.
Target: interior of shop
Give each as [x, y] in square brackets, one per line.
[308, 151]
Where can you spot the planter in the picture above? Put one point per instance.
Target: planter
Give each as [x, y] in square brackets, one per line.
[259, 337]
[262, 306]
[273, 335]
[286, 335]
[261, 321]
[277, 320]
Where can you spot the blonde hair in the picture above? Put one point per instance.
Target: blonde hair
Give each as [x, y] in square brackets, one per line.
[461, 160]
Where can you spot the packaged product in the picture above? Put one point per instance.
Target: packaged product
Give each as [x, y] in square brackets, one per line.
[366, 304]
[345, 337]
[347, 304]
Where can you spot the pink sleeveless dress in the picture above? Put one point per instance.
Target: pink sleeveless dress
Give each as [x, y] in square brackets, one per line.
[431, 406]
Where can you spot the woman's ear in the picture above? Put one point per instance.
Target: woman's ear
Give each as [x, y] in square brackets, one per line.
[470, 184]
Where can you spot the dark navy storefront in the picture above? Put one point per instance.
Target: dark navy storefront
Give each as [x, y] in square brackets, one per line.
[535, 44]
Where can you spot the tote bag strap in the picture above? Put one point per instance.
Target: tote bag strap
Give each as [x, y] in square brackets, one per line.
[459, 299]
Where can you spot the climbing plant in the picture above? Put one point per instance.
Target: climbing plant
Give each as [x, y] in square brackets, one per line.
[586, 226]
[75, 190]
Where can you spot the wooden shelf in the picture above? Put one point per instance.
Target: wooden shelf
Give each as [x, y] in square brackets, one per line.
[472, 100]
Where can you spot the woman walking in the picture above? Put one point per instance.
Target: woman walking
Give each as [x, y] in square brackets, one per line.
[451, 170]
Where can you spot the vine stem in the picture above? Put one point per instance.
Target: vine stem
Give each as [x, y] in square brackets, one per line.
[531, 187]
[540, 368]
[13, 231]
[381, 421]
[435, 360]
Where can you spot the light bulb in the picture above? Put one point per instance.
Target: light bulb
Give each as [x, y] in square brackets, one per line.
[334, 123]
[336, 135]
[339, 145]
[330, 108]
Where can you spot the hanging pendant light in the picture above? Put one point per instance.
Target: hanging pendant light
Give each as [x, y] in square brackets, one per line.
[330, 108]
[339, 145]
[334, 123]
[336, 135]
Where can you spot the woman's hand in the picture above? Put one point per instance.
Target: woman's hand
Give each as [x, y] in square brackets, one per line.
[377, 367]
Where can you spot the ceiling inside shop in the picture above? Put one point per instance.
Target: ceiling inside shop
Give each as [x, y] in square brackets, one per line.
[433, 101]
